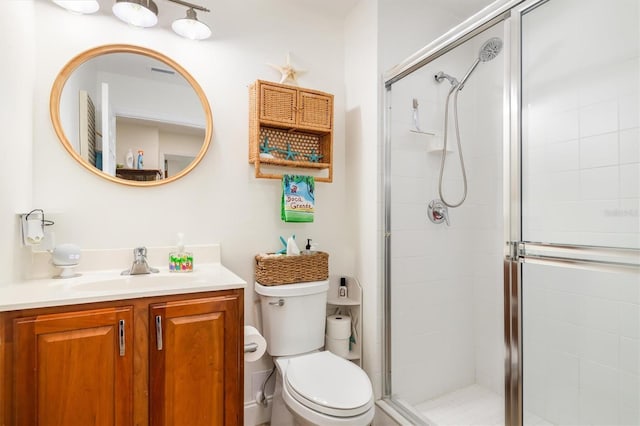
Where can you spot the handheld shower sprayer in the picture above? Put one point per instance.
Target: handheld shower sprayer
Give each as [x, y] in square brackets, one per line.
[488, 51]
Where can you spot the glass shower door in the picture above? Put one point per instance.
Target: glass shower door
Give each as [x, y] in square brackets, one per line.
[446, 347]
[580, 231]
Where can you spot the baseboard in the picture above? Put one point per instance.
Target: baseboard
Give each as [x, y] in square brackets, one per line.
[255, 414]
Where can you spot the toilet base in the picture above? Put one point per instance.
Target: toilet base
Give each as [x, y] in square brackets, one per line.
[282, 415]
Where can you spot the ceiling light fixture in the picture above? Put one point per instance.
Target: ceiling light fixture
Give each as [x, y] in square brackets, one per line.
[139, 13]
[144, 14]
[190, 27]
[79, 6]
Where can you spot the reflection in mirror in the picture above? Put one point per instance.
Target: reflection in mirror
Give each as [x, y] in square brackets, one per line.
[131, 115]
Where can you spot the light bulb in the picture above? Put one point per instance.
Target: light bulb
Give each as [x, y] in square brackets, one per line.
[139, 13]
[79, 6]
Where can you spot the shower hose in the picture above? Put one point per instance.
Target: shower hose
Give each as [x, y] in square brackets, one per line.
[454, 90]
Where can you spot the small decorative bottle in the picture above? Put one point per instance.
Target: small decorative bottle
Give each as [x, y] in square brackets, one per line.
[140, 160]
[129, 159]
[342, 290]
[180, 260]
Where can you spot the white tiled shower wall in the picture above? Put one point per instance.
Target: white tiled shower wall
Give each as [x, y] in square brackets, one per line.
[581, 118]
[581, 162]
[581, 350]
[447, 281]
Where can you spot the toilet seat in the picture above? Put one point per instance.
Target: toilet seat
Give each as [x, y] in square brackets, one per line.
[328, 384]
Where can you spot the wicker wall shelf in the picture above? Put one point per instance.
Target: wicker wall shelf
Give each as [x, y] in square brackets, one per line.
[295, 125]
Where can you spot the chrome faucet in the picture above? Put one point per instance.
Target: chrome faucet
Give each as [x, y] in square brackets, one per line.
[140, 265]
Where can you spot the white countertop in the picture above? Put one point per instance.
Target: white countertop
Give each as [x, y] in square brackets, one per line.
[100, 286]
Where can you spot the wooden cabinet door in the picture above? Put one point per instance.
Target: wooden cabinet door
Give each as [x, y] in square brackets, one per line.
[315, 110]
[74, 368]
[278, 104]
[195, 362]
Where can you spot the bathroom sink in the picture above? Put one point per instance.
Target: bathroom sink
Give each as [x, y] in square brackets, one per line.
[112, 281]
[108, 284]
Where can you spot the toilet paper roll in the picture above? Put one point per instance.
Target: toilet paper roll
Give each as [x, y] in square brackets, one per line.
[339, 347]
[251, 338]
[339, 326]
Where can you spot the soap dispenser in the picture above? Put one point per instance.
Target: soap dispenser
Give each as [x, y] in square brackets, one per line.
[180, 260]
[307, 248]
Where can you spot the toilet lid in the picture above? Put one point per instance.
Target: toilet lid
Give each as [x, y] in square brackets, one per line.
[327, 383]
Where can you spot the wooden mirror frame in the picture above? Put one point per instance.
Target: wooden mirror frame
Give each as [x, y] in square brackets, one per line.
[73, 64]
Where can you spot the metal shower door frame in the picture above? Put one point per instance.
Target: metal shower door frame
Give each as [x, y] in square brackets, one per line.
[516, 251]
[519, 251]
[508, 12]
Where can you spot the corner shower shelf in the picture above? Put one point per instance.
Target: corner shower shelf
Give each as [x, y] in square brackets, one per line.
[433, 141]
[351, 306]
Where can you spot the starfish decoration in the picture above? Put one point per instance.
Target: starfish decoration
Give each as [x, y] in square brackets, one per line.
[265, 148]
[289, 73]
[290, 154]
[314, 157]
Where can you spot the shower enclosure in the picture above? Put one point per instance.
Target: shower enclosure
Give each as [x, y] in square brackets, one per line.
[512, 258]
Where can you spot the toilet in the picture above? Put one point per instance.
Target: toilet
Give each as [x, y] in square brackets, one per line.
[313, 387]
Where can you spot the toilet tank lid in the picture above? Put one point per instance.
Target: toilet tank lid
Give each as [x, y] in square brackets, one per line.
[295, 289]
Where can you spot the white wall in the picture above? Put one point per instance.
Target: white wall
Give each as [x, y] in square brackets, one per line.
[362, 150]
[138, 137]
[168, 101]
[17, 80]
[156, 142]
[407, 26]
[220, 201]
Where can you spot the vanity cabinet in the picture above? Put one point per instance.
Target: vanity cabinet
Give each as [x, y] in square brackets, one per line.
[192, 356]
[74, 368]
[290, 127]
[165, 360]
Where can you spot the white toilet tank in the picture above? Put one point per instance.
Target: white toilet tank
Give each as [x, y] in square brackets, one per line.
[293, 316]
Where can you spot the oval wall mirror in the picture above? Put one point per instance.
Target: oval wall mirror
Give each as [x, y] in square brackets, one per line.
[131, 115]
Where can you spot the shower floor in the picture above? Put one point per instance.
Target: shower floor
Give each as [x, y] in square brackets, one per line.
[470, 406]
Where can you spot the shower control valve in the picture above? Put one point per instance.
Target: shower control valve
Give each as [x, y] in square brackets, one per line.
[438, 212]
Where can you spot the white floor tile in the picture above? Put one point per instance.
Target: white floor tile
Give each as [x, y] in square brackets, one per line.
[470, 406]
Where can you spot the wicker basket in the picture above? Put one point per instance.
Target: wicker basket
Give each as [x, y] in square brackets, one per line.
[277, 270]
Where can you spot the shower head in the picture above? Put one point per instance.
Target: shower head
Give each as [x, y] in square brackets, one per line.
[488, 51]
